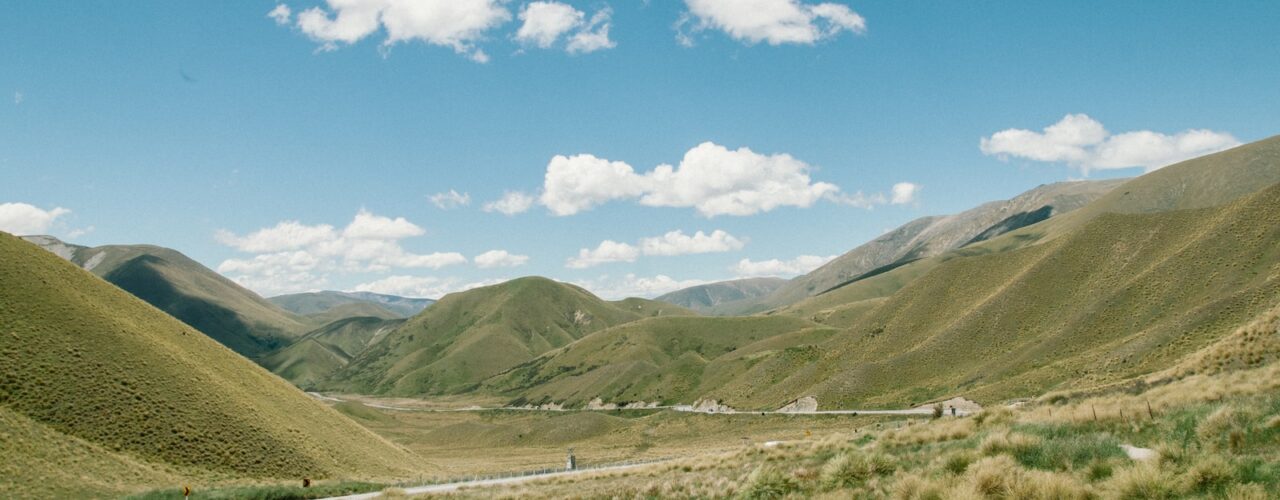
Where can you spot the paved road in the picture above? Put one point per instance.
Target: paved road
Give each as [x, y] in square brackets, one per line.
[451, 487]
[681, 408]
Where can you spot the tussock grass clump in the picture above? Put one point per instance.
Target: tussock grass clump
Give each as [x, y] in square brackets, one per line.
[767, 483]
[1145, 481]
[1209, 473]
[1011, 443]
[847, 470]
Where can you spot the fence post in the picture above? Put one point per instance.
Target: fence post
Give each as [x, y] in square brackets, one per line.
[1095, 413]
[1150, 414]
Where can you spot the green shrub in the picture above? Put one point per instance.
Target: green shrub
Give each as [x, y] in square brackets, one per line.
[1146, 481]
[1210, 473]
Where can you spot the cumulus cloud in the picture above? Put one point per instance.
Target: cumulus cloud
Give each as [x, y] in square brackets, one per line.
[23, 219]
[450, 200]
[17, 98]
[421, 286]
[456, 24]
[678, 243]
[1084, 143]
[774, 267]
[281, 14]
[710, 178]
[904, 193]
[670, 244]
[511, 203]
[608, 251]
[631, 285]
[543, 24]
[775, 22]
[499, 258]
[292, 256]
[580, 182]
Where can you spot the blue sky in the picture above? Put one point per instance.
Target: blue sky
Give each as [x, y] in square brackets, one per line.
[195, 125]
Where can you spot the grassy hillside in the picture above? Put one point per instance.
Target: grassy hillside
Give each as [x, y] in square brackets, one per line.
[665, 360]
[313, 303]
[196, 295]
[352, 310]
[469, 336]
[1120, 296]
[87, 367]
[724, 296]
[930, 236]
[327, 349]
[1198, 183]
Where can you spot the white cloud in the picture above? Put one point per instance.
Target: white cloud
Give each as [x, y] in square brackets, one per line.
[904, 193]
[375, 227]
[421, 286]
[670, 244]
[545, 23]
[592, 37]
[22, 219]
[286, 235]
[775, 267]
[774, 22]
[18, 97]
[710, 178]
[281, 14]
[678, 243]
[499, 258]
[635, 286]
[1084, 143]
[79, 231]
[457, 24]
[608, 251]
[511, 203]
[292, 256]
[580, 182]
[450, 200]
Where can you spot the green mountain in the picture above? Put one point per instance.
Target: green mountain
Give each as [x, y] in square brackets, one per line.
[930, 236]
[102, 394]
[1124, 286]
[666, 360]
[469, 336]
[196, 295]
[733, 295]
[321, 352]
[315, 303]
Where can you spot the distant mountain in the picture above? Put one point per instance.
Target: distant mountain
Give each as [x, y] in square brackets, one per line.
[196, 295]
[721, 296]
[103, 395]
[321, 352]
[313, 303]
[472, 335]
[933, 235]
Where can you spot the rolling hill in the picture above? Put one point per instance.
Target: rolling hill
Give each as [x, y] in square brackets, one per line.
[722, 296]
[196, 295]
[930, 236]
[316, 303]
[327, 349]
[1107, 292]
[102, 394]
[666, 360]
[469, 336]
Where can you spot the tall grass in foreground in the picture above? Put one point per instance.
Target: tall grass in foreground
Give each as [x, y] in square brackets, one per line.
[1220, 441]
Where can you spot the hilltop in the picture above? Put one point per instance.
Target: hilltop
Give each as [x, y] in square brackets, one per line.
[732, 295]
[469, 336]
[931, 236]
[189, 291]
[99, 382]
